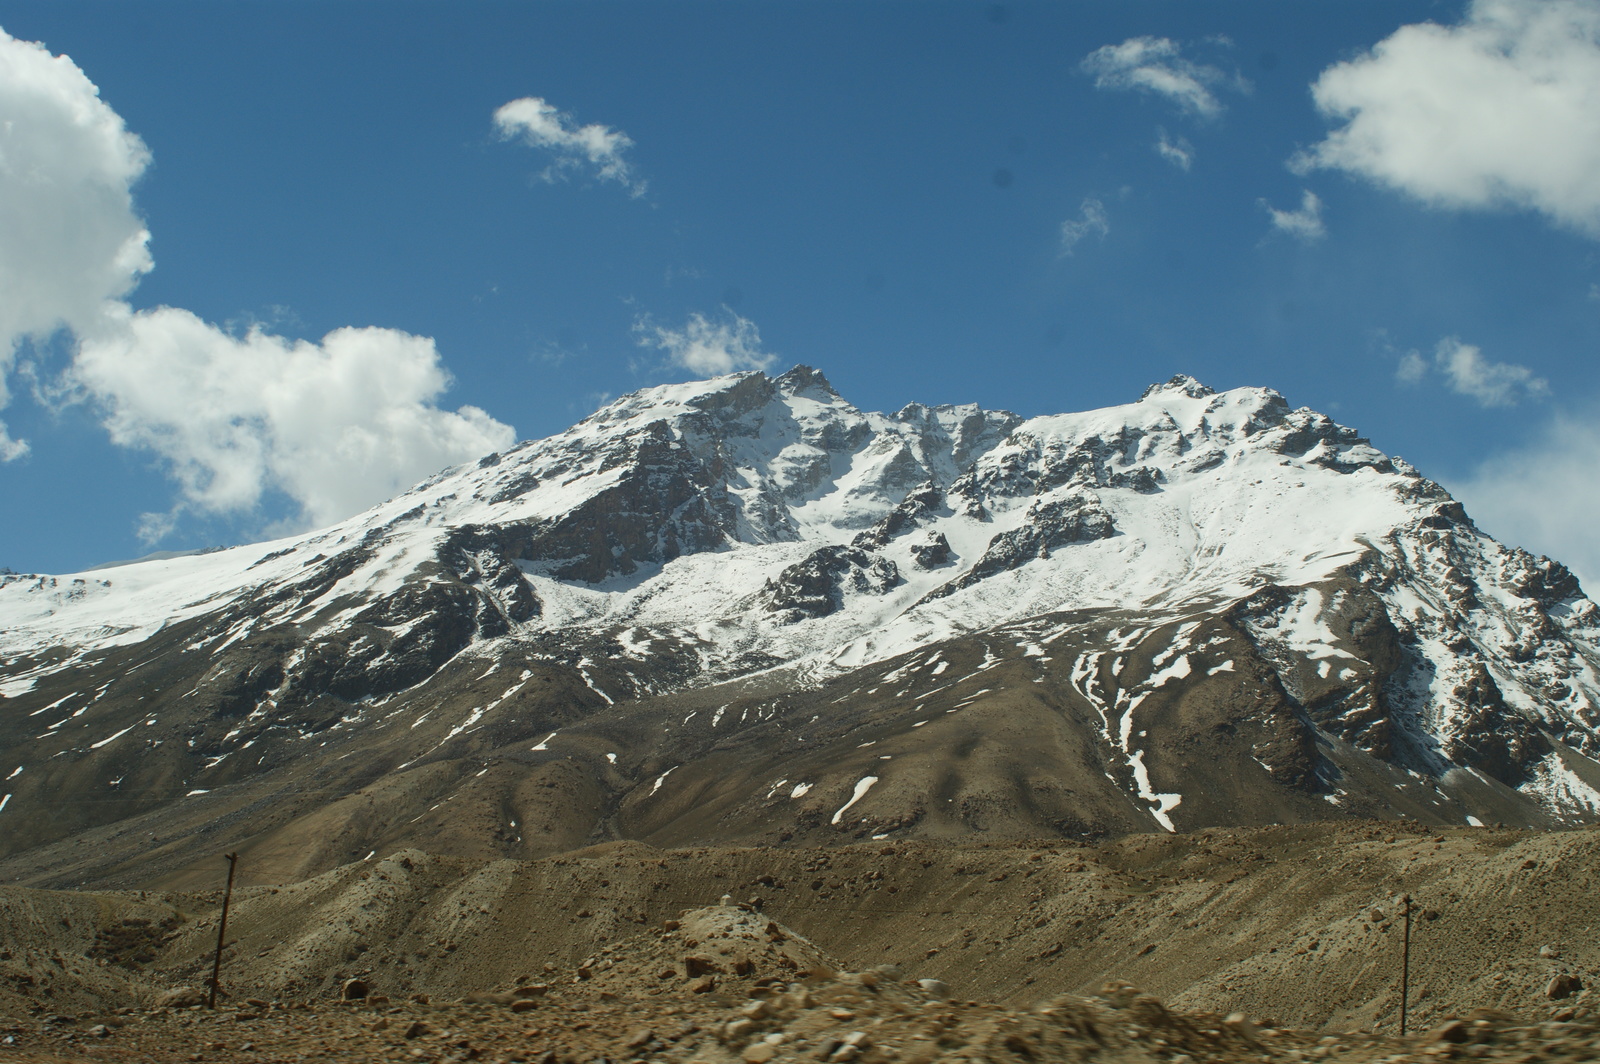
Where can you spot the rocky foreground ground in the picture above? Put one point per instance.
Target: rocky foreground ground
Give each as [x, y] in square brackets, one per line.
[849, 1018]
[1267, 945]
[727, 985]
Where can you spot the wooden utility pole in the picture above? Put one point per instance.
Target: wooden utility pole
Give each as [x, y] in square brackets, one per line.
[1405, 963]
[222, 930]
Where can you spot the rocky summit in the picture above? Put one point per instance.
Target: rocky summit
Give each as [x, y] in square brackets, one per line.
[744, 612]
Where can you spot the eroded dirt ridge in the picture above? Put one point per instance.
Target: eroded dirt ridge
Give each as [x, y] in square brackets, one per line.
[1295, 928]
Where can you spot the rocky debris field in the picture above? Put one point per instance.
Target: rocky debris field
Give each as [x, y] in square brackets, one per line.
[871, 1017]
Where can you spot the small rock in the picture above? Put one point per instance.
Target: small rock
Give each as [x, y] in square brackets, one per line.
[418, 1028]
[1563, 986]
[99, 1030]
[354, 990]
[738, 1030]
[1549, 953]
[180, 998]
[703, 985]
[524, 1005]
[1119, 994]
[1455, 1031]
[696, 965]
[639, 1038]
[935, 988]
[759, 1053]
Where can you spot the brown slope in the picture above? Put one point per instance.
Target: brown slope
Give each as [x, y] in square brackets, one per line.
[1296, 923]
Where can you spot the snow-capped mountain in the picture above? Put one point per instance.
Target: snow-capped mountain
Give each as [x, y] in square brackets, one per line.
[742, 609]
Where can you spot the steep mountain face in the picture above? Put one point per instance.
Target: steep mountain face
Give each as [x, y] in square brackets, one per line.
[743, 610]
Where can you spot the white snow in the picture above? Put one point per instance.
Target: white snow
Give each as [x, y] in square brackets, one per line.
[800, 790]
[1560, 787]
[15, 773]
[1234, 511]
[662, 779]
[1164, 803]
[863, 785]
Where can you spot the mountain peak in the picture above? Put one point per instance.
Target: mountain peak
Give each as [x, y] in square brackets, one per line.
[1202, 609]
[1183, 383]
[806, 380]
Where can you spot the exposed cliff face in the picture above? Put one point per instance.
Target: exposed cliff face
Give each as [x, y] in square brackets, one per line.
[743, 609]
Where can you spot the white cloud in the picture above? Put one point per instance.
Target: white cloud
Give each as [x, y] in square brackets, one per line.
[1502, 109]
[1412, 369]
[69, 237]
[337, 425]
[1092, 219]
[11, 449]
[1490, 383]
[709, 347]
[1545, 496]
[1304, 224]
[543, 126]
[1467, 372]
[1156, 65]
[1179, 152]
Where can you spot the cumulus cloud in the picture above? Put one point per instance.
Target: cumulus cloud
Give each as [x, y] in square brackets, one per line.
[1466, 372]
[1092, 220]
[1304, 224]
[335, 426]
[1156, 65]
[708, 347]
[1545, 496]
[1177, 151]
[575, 147]
[69, 236]
[11, 449]
[1502, 109]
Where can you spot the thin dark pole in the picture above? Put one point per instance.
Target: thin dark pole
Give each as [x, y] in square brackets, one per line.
[222, 930]
[1405, 965]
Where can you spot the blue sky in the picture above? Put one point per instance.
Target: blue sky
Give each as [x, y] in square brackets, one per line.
[498, 215]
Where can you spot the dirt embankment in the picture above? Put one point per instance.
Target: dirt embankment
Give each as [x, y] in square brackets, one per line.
[727, 985]
[1294, 925]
